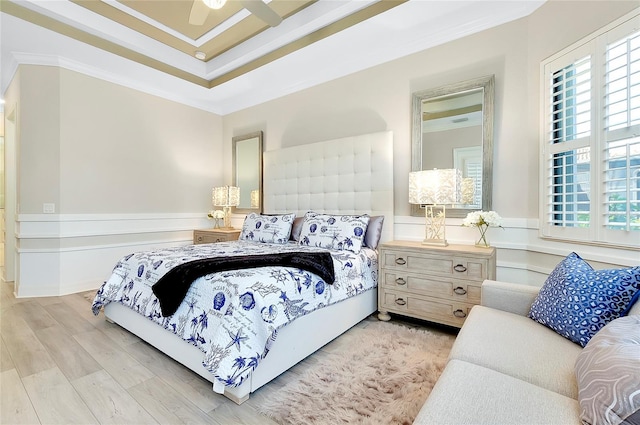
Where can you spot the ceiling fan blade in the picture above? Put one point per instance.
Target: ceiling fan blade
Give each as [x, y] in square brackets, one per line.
[262, 11]
[199, 13]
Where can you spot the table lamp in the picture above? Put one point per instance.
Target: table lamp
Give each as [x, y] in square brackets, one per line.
[433, 188]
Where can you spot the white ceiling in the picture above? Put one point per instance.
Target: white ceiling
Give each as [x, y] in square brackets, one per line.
[404, 29]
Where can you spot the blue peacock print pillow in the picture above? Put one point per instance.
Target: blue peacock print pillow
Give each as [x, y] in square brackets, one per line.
[337, 232]
[267, 228]
[577, 301]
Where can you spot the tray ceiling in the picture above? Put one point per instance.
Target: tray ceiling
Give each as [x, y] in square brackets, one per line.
[150, 45]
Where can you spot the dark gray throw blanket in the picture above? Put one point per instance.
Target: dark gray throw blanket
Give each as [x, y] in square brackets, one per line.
[173, 286]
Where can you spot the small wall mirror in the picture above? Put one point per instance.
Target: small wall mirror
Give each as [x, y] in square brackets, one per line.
[247, 171]
[452, 127]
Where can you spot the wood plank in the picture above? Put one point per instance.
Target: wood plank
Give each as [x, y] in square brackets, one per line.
[35, 316]
[187, 382]
[5, 358]
[126, 370]
[71, 358]
[15, 406]
[55, 400]
[27, 352]
[81, 306]
[109, 402]
[167, 405]
[72, 321]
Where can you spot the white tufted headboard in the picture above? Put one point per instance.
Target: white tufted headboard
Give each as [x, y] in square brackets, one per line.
[352, 175]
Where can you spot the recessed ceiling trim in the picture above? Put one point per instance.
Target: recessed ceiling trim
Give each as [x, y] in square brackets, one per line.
[299, 25]
[106, 45]
[159, 25]
[85, 37]
[331, 29]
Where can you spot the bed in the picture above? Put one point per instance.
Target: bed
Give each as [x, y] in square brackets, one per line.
[348, 176]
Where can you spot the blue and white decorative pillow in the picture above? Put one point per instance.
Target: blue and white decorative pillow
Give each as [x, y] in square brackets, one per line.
[338, 232]
[577, 301]
[267, 228]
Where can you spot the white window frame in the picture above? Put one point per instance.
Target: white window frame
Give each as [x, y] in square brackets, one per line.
[594, 46]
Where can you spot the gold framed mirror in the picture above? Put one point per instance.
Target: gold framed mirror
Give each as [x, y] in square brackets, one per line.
[247, 171]
[452, 127]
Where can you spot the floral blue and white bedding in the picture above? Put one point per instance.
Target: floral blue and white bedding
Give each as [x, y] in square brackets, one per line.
[233, 316]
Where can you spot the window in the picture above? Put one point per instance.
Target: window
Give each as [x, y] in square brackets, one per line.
[591, 139]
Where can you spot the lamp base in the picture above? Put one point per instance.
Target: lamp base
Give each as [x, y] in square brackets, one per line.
[435, 242]
[435, 226]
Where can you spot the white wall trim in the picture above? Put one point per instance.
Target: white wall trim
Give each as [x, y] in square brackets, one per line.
[58, 226]
[82, 265]
[132, 245]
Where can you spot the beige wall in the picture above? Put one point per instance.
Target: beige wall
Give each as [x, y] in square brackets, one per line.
[126, 151]
[91, 146]
[39, 141]
[380, 98]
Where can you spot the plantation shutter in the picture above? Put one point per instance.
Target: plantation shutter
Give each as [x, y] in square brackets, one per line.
[568, 125]
[590, 139]
[621, 147]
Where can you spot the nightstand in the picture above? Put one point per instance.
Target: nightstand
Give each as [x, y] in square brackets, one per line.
[438, 284]
[215, 235]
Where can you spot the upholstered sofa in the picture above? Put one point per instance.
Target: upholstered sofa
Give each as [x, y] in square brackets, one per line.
[506, 368]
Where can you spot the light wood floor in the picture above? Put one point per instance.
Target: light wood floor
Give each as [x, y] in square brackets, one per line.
[60, 364]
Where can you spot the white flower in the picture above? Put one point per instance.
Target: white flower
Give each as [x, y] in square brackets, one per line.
[215, 214]
[482, 218]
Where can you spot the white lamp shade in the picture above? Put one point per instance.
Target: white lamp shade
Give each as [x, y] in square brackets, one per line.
[226, 196]
[435, 187]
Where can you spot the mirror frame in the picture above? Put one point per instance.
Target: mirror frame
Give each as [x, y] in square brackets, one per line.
[486, 83]
[235, 141]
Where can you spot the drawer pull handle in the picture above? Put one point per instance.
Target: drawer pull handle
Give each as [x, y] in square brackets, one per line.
[460, 290]
[459, 268]
[199, 238]
[400, 301]
[401, 281]
[401, 261]
[459, 313]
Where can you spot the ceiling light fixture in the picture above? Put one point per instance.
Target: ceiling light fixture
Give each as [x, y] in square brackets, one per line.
[200, 55]
[214, 4]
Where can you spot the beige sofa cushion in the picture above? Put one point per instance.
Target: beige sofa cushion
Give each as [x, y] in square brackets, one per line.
[519, 347]
[470, 394]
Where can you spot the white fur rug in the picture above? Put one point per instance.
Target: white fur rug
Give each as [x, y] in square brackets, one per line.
[376, 373]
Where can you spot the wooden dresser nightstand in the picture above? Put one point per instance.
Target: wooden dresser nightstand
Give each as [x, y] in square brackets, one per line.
[215, 235]
[438, 284]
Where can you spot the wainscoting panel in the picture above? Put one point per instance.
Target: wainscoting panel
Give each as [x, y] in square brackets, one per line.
[60, 254]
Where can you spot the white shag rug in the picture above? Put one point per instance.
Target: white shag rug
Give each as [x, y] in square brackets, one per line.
[381, 374]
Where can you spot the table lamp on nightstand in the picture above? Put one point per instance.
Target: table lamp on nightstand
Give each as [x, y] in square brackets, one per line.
[226, 197]
[433, 188]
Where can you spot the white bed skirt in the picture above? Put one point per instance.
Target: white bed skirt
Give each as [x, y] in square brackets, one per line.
[295, 341]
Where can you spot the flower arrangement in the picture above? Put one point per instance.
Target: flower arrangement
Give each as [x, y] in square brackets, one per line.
[482, 220]
[216, 215]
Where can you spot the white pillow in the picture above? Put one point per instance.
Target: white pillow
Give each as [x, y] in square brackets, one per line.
[338, 232]
[267, 228]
